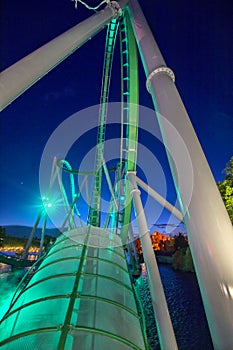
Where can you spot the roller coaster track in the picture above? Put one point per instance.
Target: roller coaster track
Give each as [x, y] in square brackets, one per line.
[120, 207]
[95, 208]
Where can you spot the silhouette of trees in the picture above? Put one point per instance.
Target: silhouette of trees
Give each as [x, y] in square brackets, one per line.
[2, 232]
[181, 242]
[226, 188]
[2, 235]
[182, 258]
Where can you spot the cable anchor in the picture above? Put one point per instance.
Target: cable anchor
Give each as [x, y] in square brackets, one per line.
[116, 9]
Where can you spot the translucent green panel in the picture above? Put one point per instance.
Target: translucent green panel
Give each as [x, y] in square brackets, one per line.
[120, 322]
[85, 315]
[108, 318]
[103, 342]
[108, 252]
[62, 242]
[87, 340]
[87, 283]
[36, 316]
[83, 339]
[97, 237]
[69, 251]
[53, 263]
[114, 271]
[64, 266]
[115, 258]
[118, 250]
[108, 289]
[52, 287]
[107, 269]
[121, 295]
[6, 327]
[45, 314]
[72, 342]
[45, 340]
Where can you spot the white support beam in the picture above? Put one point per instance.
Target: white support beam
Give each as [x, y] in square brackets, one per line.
[208, 225]
[24, 73]
[162, 317]
[160, 199]
[110, 184]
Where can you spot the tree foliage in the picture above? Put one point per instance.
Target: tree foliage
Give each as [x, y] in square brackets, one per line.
[229, 171]
[2, 232]
[226, 188]
[181, 242]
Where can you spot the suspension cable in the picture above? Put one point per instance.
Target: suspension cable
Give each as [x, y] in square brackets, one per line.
[90, 7]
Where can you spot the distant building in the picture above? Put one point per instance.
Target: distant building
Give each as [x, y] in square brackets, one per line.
[159, 242]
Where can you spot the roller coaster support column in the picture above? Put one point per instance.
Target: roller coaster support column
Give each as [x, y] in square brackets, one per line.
[24, 73]
[209, 228]
[31, 236]
[160, 199]
[162, 317]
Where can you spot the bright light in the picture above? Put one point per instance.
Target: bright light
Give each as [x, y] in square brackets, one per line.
[46, 202]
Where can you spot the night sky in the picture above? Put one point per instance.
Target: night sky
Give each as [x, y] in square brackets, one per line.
[195, 38]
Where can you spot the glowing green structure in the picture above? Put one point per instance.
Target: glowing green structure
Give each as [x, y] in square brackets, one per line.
[81, 297]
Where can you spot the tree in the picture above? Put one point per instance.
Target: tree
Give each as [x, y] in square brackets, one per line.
[229, 170]
[2, 232]
[181, 242]
[226, 188]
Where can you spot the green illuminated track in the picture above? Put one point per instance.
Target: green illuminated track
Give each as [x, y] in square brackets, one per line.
[129, 87]
[95, 209]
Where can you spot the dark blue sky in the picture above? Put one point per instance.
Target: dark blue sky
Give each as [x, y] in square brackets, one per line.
[195, 38]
